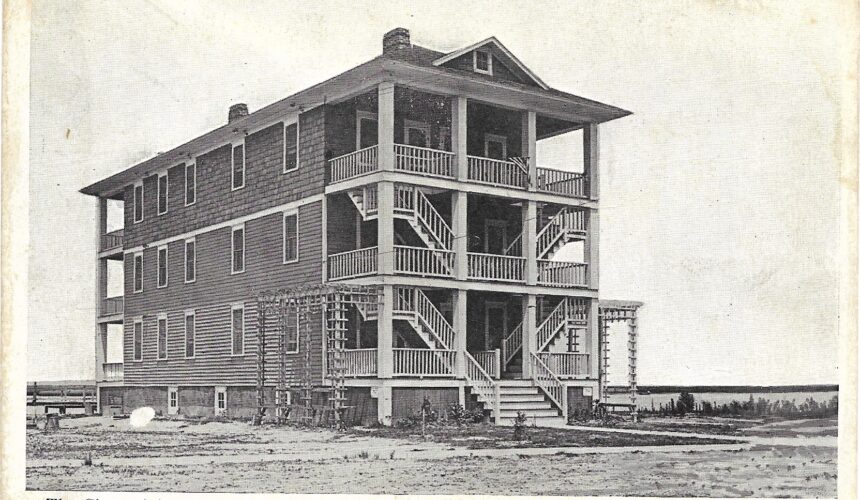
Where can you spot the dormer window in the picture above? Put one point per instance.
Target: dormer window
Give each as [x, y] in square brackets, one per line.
[483, 62]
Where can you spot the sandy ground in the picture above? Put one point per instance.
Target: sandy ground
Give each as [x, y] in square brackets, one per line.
[234, 457]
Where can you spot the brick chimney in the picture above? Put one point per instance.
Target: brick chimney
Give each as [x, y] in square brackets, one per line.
[396, 39]
[236, 112]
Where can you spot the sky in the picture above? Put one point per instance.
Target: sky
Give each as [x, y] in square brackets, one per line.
[718, 204]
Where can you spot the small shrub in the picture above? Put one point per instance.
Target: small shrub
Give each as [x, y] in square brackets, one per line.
[458, 414]
[88, 459]
[520, 422]
[364, 454]
[391, 457]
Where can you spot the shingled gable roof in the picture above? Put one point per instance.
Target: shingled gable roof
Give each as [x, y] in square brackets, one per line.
[376, 68]
[511, 60]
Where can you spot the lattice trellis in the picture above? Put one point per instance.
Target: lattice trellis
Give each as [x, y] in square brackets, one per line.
[303, 305]
[616, 311]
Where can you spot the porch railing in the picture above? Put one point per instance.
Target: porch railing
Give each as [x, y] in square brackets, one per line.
[424, 362]
[423, 261]
[549, 383]
[112, 305]
[423, 160]
[112, 240]
[483, 385]
[358, 362]
[404, 198]
[548, 328]
[511, 343]
[494, 267]
[497, 172]
[562, 274]
[354, 164]
[371, 200]
[550, 180]
[433, 318]
[112, 371]
[490, 361]
[566, 364]
[352, 264]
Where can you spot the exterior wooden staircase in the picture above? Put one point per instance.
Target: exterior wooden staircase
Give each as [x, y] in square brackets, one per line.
[565, 226]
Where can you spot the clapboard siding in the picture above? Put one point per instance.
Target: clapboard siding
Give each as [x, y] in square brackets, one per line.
[211, 296]
[266, 185]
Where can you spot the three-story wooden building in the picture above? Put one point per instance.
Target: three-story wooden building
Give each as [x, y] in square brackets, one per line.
[417, 172]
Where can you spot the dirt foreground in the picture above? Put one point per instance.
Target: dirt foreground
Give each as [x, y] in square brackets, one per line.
[235, 457]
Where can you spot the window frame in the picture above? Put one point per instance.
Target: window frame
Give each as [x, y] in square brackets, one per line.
[137, 345]
[158, 198]
[489, 70]
[422, 126]
[288, 214]
[220, 391]
[239, 306]
[137, 185]
[298, 338]
[488, 138]
[364, 115]
[233, 186]
[161, 317]
[190, 314]
[191, 165]
[286, 127]
[233, 230]
[158, 267]
[134, 272]
[192, 241]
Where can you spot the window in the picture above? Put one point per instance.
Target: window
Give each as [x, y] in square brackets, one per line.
[190, 183]
[137, 334]
[220, 400]
[238, 166]
[138, 202]
[416, 134]
[238, 328]
[162, 336]
[162, 194]
[162, 266]
[190, 260]
[238, 249]
[483, 62]
[138, 272]
[291, 150]
[366, 130]
[293, 335]
[172, 400]
[496, 146]
[189, 334]
[291, 238]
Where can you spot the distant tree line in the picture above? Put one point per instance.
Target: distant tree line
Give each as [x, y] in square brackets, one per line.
[686, 403]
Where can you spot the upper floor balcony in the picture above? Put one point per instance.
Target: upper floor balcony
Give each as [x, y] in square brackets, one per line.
[455, 138]
[509, 173]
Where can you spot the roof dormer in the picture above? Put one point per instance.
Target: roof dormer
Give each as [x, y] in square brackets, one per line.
[489, 57]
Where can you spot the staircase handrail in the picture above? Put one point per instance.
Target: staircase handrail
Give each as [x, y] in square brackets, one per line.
[482, 384]
[433, 221]
[550, 232]
[548, 328]
[512, 343]
[434, 320]
[514, 244]
[549, 382]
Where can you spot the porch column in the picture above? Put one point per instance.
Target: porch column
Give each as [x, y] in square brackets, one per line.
[101, 289]
[460, 331]
[529, 333]
[592, 339]
[385, 228]
[385, 334]
[383, 404]
[592, 242]
[529, 146]
[385, 126]
[591, 153]
[460, 228]
[458, 137]
[530, 240]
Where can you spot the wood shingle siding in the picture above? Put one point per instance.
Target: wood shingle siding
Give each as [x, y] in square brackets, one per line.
[266, 184]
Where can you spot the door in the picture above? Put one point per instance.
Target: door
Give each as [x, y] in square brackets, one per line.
[496, 147]
[416, 134]
[172, 400]
[495, 324]
[495, 236]
[366, 133]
